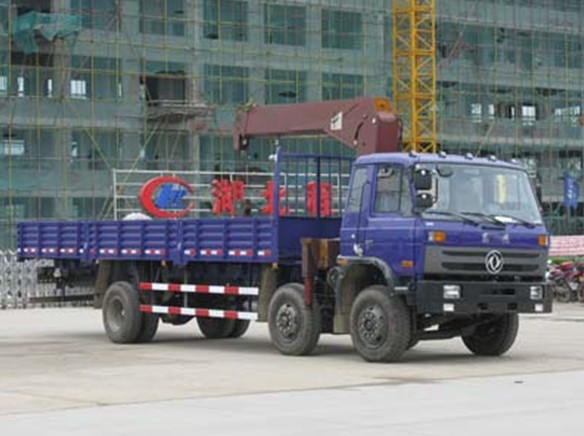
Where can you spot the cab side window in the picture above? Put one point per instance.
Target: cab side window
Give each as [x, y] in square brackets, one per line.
[356, 191]
[392, 192]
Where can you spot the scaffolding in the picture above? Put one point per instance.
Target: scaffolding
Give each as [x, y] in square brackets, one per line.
[414, 72]
[88, 87]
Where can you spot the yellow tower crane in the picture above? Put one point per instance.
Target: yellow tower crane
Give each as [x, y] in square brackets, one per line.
[414, 72]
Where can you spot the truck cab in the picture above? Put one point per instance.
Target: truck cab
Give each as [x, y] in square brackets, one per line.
[459, 238]
[473, 223]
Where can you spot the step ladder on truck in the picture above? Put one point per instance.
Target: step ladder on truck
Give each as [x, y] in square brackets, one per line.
[391, 248]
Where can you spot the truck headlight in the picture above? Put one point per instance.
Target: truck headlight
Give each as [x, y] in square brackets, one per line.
[451, 292]
[536, 292]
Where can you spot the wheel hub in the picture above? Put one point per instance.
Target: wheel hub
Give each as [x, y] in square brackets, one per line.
[287, 321]
[487, 332]
[372, 326]
[116, 314]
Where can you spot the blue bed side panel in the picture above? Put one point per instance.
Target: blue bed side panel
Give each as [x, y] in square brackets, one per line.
[292, 229]
[261, 240]
[202, 240]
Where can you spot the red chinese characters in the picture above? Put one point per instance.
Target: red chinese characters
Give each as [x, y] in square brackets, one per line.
[326, 199]
[268, 195]
[226, 193]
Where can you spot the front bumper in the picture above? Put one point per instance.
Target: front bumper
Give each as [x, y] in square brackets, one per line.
[481, 298]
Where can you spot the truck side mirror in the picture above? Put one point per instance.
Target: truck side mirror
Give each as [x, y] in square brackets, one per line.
[422, 179]
[424, 200]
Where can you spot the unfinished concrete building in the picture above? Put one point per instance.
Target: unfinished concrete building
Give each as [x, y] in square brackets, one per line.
[90, 86]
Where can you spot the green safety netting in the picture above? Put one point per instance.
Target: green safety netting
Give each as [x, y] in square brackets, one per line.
[49, 26]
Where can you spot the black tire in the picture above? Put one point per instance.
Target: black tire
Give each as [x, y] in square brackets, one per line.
[121, 314]
[581, 293]
[241, 325]
[493, 338]
[413, 342]
[149, 327]
[216, 328]
[562, 291]
[294, 327]
[176, 319]
[239, 328]
[380, 325]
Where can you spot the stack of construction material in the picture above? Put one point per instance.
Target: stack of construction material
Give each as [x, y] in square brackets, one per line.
[32, 284]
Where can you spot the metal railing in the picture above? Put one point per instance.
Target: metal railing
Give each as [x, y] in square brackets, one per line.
[295, 179]
[23, 285]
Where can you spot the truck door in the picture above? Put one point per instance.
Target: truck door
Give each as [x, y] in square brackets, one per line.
[356, 211]
[389, 234]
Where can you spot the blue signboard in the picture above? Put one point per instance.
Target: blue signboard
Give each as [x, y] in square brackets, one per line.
[571, 191]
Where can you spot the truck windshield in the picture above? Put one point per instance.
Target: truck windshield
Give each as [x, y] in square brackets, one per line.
[483, 193]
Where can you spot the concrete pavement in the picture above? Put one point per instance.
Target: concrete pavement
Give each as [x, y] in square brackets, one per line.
[57, 367]
[530, 405]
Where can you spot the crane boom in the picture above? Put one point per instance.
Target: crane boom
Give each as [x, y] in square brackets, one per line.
[365, 124]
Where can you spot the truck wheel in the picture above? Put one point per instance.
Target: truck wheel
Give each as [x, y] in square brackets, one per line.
[148, 328]
[294, 327]
[380, 325]
[413, 342]
[176, 319]
[241, 325]
[121, 314]
[562, 291]
[239, 329]
[216, 328]
[493, 338]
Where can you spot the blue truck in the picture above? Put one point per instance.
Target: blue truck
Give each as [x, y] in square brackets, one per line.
[391, 248]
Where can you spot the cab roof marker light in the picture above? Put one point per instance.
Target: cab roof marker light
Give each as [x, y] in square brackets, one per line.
[413, 153]
[442, 154]
[493, 158]
[469, 156]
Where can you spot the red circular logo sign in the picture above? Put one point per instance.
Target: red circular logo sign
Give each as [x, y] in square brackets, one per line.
[163, 197]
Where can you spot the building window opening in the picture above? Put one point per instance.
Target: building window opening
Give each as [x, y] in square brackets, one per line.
[528, 115]
[79, 89]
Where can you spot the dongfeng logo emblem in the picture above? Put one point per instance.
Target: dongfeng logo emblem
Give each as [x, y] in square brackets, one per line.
[494, 262]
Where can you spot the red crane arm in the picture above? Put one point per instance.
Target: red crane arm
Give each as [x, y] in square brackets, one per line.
[365, 124]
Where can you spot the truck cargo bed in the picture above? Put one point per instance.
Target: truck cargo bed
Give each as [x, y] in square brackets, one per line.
[181, 241]
[253, 239]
